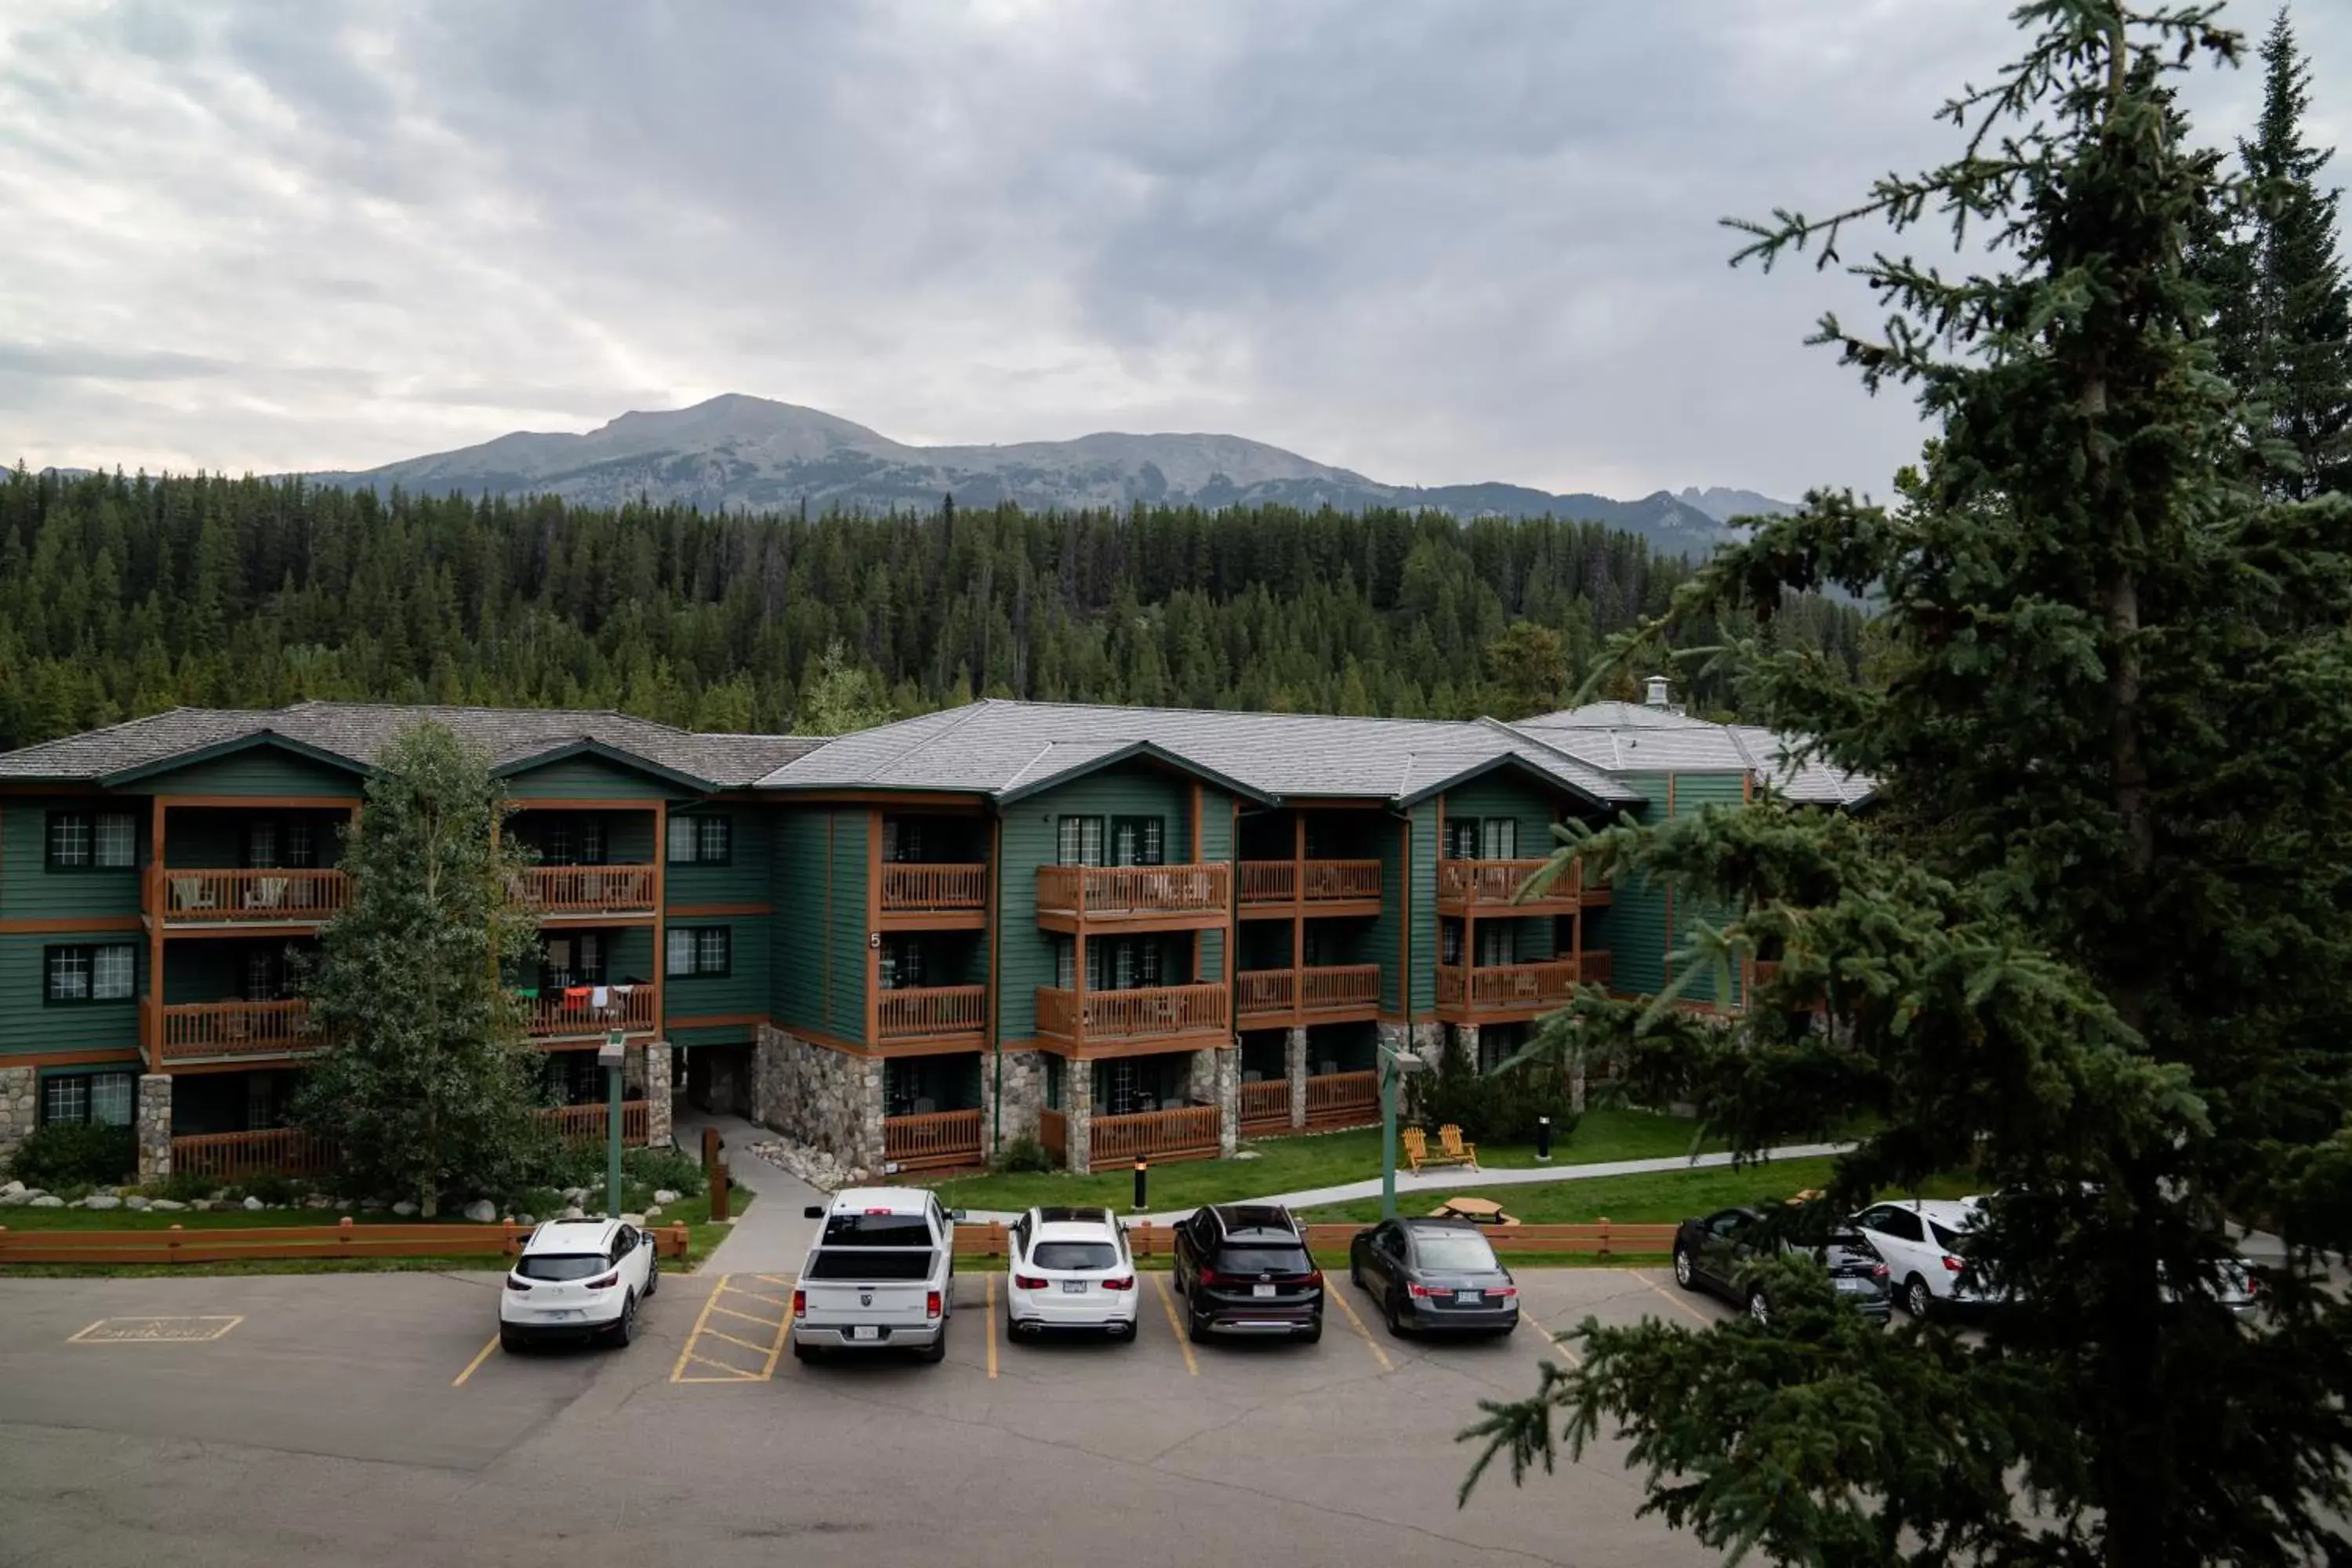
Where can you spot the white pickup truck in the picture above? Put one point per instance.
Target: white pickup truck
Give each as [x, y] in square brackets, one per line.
[880, 1277]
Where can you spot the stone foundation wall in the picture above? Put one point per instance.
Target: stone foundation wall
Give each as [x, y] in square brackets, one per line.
[1225, 1091]
[657, 1094]
[828, 1099]
[151, 1126]
[1294, 1065]
[1024, 1096]
[1079, 1113]
[20, 1108]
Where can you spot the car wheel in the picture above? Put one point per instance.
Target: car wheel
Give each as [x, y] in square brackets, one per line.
[509, 1341]
[1682, 1275]
[653, 1277]
[625, 1327]
[1759, 1309]
[1196, 1327]
[937, 1351]
[1917, 1299]
[1389, 1315]
[803, 1352]
[1314, 1334]
[1355, 1272]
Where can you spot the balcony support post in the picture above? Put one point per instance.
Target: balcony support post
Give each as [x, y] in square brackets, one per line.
[152, 1120]
[1294, 1067]
[1078, 1100]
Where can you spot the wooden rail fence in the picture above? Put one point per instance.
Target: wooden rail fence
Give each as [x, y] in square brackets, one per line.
[1310, 881]
[1602, 1239]
[274, 1151]
[924, 1012]
[197, 1029]
[587, 890]
[1266, 1106]
[267, 896]
[1145, 1012]
[913, 887]
[1343, 1099]
[1183, 1132]
[931, 1139]
[254, 1242]
[1134, 890]
[1483, 884]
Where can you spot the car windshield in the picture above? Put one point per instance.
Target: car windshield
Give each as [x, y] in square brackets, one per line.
[878, 1230]
[877, 1265]
[560, 1265]
[1454, 1253]
[1950, 1241]
[1074, 1255]
[1265, 1261]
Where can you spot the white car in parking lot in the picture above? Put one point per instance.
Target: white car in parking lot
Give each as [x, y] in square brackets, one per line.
[578, 1279]
[1070, 1269]
[1924, 1242]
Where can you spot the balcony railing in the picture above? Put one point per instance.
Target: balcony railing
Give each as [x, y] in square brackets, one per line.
[275, 1150]
[1496, 884]
[194, 1030]
[1152, 1012]
[552, 1014]
[269, 896]
[1186, 1133]
[1266, 1106]
[587, 890]
[928, 1011]
[1099, 892]
[916, 889]
[1327, 988]
[1343, 1099]
[1513, 986]
[932, 1140]
[1310, 882]
[585, 1123]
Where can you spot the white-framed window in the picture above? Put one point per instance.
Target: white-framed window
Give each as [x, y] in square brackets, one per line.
[697, 951]
[1136, 841]
[1449, 942]
[1499, 943]
[261, 843]
[1078, 841]
[90, 974]
[93, 841]
[701, 840]
[100, 1098]
[902, 840]
[1499, 837]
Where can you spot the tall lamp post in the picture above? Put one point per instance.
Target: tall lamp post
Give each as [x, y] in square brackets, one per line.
[1394, 1065]
[609, 1056]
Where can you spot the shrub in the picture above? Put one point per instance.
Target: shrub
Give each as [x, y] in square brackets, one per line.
[181, 1187]
[1494, 1108]
[660, 1168]
[64, 1154]
[1023, 1153]
[275, 1190]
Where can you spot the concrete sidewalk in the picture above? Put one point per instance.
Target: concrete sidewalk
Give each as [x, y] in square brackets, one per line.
[771, 1236]
[1449, 1180]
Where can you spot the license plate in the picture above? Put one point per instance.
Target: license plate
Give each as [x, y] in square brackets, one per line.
[1471, 1296]
[865, 1332]
[1073, 1287]
[1261, 1292]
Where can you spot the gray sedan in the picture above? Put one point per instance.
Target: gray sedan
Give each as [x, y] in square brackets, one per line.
[1433, 1274]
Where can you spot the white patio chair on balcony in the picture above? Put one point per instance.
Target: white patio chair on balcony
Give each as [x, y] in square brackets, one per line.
[267, 893]
[191, 893]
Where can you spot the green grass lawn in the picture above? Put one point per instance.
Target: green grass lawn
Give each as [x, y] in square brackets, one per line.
[1659, 1199]
[701, 1237]
[1294, 1165]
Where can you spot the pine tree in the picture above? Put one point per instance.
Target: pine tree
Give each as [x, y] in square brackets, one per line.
[2091, 945]
[424, 1077]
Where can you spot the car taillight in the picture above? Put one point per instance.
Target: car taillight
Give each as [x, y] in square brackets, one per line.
[1027, 1283]
[607, 1282]
[1953, 1264]
[1208, 1276]
[1124, 1282]
[1506, 1293]
[1314, 1279]
[1415, 1288]
[800, 1303]
[931, 1304]
[1878, 1271]
[515, 1284]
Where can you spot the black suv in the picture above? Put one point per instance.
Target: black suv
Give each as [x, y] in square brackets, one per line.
[1243, 1269]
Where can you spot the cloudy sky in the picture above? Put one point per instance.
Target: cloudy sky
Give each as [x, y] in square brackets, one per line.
[1433, 241]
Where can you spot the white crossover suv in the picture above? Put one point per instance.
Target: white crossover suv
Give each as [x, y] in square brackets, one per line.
[1070, 1269]
[1924, 1242]
[578, 1279]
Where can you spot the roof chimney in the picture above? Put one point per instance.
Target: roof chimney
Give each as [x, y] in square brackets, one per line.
[1657, 697]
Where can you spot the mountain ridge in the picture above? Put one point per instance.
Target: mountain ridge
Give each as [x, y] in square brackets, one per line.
[739, 452]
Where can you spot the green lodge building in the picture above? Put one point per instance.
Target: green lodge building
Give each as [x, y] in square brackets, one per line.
[1119, 932]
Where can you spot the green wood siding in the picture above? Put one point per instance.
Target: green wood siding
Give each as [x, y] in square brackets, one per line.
[257, 770]
[1387, 935]
[29, 1025]
[1693, 793]
[846, 955]
[29, 890]
[742, 989]
[1632, 929]
[1026, 952]
[1216, 845]
[721, 1035]
[585, 778]
[1507, 794]
[1423, 880]
[745, 878]
[796, 937]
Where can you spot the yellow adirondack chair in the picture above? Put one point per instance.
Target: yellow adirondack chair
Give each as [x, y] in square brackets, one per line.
[1449, 1139]
[1416, 1148]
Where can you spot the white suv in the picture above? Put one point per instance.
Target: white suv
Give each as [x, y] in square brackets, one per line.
[1070, 1269]
[578, 1279]
[1924, 1242]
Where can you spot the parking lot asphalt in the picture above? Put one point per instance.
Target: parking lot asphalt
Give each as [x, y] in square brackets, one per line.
[369, 1419]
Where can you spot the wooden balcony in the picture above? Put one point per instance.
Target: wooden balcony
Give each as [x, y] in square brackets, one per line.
[1311, 887]
[1134, 1022]
[930, 1014]
[1343, 1099]
[254, 897]
[1186, 1133]
[1491, 888]
[551, 1015]
[1504, 992]
[923, 896]
[580, 1124]
[1328, 993]
[558, 890]
[1133, 898]
[932, 1141]
[273, 1151]
[205, 1031]
[1266, 1108]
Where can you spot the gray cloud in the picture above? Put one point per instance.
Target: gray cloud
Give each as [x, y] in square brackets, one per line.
[1432, 243]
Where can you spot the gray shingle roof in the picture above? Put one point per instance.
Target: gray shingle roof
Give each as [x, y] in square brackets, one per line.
[1630, 738]
[357, 731]
[1001, 749]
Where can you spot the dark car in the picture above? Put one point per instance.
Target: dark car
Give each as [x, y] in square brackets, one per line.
[1713, 1254]
[1243, 1269]
[1436, 1274]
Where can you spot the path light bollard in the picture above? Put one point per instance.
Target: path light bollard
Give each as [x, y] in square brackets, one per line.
[1543, 1140]
[1142, 1184]
[719, 1204]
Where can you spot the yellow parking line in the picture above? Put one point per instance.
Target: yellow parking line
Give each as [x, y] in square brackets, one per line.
[1560, 1350]
[783, 1331]
[1363, 1332]
[730, 1338]
[1684, 1308]
[754, 1295]
[768, 1278]
[1166, 1300]
[479, 1357]
[678, 1372]
[992, 1325]
[763, 1322]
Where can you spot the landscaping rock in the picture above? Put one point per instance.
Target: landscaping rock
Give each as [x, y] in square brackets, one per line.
[11, 1189]
[574, 1212]
[14, 1200]
[525, 1219]
[101, 1201]
[219, 1195]
[403, 1207]
[318, 1201]
[255, 1204]
[202, 1206]
[665, 1196]
[135, 1202]
[46, 1201]
[575, 1194]
[481, 1211]
[653, 1213]
[167, 1206]
[633, 1219]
